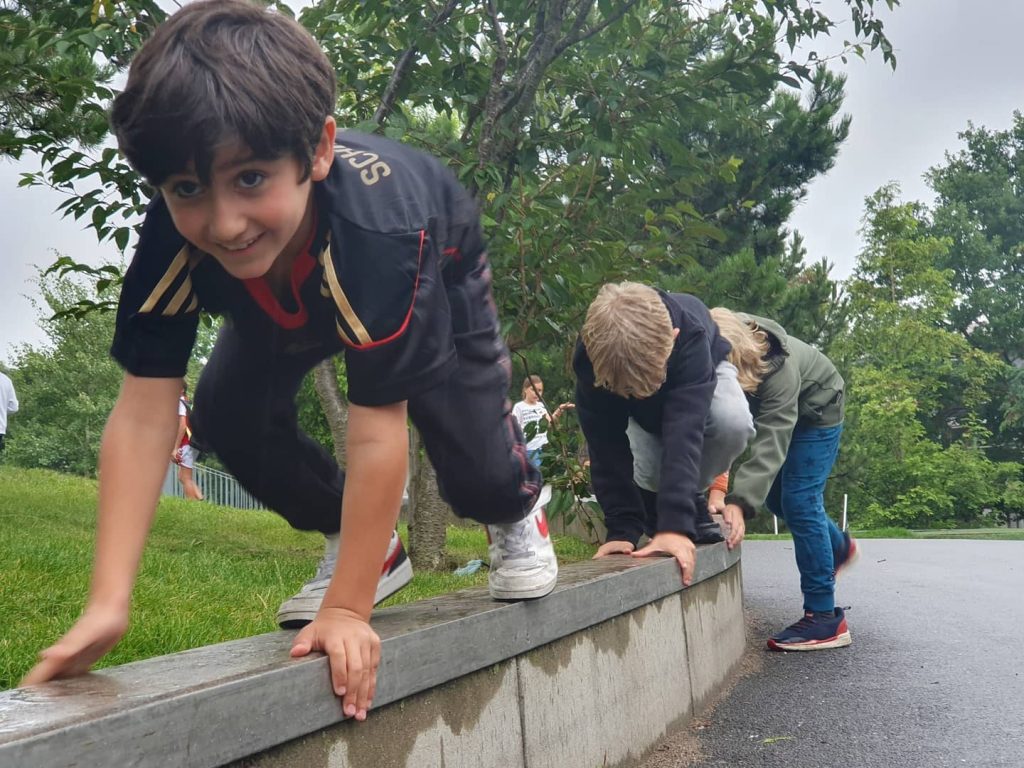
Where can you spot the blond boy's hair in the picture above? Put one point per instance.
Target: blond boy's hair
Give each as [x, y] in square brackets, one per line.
[749, 347]
[628, 337]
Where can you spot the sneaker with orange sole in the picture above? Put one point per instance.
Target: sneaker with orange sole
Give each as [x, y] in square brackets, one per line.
[814, 632]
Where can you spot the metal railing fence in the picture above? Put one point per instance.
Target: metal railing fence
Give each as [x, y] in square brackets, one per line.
[218, 487]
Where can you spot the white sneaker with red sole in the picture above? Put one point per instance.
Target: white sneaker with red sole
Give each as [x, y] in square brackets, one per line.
[523, 563]
[301, 608]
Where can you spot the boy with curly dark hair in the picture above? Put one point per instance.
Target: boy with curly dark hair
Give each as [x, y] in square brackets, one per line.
[311, 242]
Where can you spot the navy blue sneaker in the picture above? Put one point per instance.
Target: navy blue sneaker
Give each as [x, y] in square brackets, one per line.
[814, 632]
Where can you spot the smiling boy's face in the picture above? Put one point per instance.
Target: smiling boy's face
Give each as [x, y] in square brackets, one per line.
[252, 211]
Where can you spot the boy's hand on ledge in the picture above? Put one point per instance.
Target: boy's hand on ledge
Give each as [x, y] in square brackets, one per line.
[675, 545]
[354, 653]
[737, 526]
[95, 633]
[716, 502]
[614, 548]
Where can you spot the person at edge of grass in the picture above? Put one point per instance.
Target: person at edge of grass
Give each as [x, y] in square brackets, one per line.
[312, 243]
[8, 405]
[663, 414]
[531, 410]
[185, 454]
[796, 394]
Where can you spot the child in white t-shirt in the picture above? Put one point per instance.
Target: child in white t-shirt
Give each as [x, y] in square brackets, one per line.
[531, 410]
[184, 454]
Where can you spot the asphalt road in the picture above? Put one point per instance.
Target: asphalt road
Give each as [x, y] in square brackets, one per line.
[934, 677]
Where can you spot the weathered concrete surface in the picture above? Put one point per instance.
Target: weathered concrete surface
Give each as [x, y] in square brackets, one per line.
[600, 697]
[714, 646]
[603, 697]
[215, 705]
[472, 722]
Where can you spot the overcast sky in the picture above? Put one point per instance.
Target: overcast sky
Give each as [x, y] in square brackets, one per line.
[958, 61]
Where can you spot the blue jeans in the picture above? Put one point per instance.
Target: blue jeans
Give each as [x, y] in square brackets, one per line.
[798, 497]
[533, 456]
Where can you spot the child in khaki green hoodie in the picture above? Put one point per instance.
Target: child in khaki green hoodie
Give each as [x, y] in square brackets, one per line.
[796, 396]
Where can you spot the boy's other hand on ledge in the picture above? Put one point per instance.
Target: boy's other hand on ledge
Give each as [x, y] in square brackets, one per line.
[354, 653]
[736, 526]
[614, 548]
[95, 633]
[674, 545]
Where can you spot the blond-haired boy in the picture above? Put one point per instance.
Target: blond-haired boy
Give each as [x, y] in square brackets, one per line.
[662, 412]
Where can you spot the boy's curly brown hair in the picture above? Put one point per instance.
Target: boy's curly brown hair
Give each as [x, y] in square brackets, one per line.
[219, 71]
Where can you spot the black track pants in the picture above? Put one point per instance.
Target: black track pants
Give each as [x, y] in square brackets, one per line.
[244, 411]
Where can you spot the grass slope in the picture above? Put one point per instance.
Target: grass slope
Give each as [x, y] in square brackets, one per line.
[209, 573]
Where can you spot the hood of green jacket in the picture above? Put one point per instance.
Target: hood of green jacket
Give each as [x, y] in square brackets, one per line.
[801, 388]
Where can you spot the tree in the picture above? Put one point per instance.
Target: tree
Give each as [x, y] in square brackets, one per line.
[572, 121]
[56, 60]
[568, 118]
[66, 386]
[901, 300]
[55, 102]
[782, 143]
[916, 436]
[980, 209]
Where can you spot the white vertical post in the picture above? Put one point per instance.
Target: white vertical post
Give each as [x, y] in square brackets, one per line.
[844, 511]
[776, 521]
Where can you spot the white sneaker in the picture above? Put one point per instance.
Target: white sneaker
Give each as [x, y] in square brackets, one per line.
[301, 608]
[523, 563]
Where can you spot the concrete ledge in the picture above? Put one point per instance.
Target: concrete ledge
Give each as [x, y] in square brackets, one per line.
[593, 674]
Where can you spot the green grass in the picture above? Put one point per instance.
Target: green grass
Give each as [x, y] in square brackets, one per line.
[995, 534]
[209, 573]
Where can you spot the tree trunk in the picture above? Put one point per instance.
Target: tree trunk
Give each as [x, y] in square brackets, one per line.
[428, 514]
[334, 405]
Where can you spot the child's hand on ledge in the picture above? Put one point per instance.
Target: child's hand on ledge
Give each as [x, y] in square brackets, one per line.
[354, 653]
[716, 502]
[614, 548]
[95, 633]
[675, 545]
[732, 514]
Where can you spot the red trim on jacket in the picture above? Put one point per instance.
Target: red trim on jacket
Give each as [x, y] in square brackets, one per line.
[412, 304]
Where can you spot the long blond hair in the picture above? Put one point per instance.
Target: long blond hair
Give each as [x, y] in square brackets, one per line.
[749, 347]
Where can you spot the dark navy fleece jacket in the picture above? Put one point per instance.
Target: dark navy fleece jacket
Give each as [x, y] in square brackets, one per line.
[677, 412]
